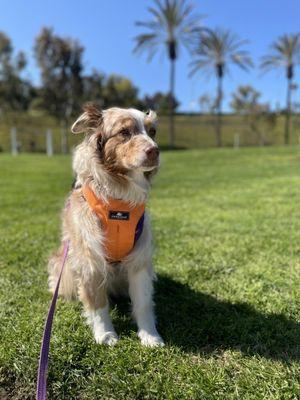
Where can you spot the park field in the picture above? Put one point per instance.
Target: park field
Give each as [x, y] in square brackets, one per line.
[191, 131]
[227, 234]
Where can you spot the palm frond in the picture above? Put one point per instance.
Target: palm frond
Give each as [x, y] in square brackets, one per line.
[204, 64]
[147, 43]
[173, 21]
[284, 52]
[242, 59]
[221, 47]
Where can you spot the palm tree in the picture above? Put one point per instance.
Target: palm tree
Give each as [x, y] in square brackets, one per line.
[215, 49]
[285, 52]
[173, 25]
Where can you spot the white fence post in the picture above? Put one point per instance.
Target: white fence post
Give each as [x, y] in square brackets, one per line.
[49, 143]
[14, 141]
[236, 143]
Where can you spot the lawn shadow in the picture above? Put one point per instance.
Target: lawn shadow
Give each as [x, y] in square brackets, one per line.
[198, 322]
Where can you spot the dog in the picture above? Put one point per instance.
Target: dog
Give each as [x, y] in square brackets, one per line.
[113, 166]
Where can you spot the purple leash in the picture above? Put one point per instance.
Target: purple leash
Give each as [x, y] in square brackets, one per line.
[41, 391]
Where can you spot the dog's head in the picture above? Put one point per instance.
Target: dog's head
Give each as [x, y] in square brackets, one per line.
[120, 140]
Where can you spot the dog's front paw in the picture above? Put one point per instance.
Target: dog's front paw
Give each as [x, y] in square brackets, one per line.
[150, 340]
[108, 338]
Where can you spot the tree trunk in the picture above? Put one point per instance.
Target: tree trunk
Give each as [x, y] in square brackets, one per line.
[219, 112]
[288, 112]
[171, 108]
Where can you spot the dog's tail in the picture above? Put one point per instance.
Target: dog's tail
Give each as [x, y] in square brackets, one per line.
[67, 288]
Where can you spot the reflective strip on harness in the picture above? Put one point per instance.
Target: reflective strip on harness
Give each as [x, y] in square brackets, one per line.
[122, 223]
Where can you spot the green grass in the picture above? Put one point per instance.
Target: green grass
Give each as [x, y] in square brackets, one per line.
[227, 231]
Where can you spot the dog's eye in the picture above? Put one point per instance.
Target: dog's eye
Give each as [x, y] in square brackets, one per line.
[125, 133]
[152, 132]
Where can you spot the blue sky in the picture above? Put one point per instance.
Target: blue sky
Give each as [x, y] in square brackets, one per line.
[106, 28]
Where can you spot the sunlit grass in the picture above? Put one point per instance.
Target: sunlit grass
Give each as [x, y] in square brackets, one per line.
[227, 232]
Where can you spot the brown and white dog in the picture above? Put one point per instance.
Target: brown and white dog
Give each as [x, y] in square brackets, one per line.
[117, 159]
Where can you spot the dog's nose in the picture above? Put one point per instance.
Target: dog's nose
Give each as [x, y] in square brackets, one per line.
[152, 153]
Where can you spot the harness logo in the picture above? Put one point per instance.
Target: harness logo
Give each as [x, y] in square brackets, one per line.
[119, 215]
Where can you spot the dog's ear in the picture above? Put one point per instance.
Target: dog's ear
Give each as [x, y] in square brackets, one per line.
[89, 121]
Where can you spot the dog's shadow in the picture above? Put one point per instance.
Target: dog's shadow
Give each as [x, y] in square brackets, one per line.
[198, 322]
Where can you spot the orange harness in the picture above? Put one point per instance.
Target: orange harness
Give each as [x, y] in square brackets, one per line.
[122, 223]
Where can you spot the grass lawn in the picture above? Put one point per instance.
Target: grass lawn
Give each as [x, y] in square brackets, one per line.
[227, 231]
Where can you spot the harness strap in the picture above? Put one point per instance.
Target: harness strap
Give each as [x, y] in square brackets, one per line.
[139, 228]
[41, 392]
